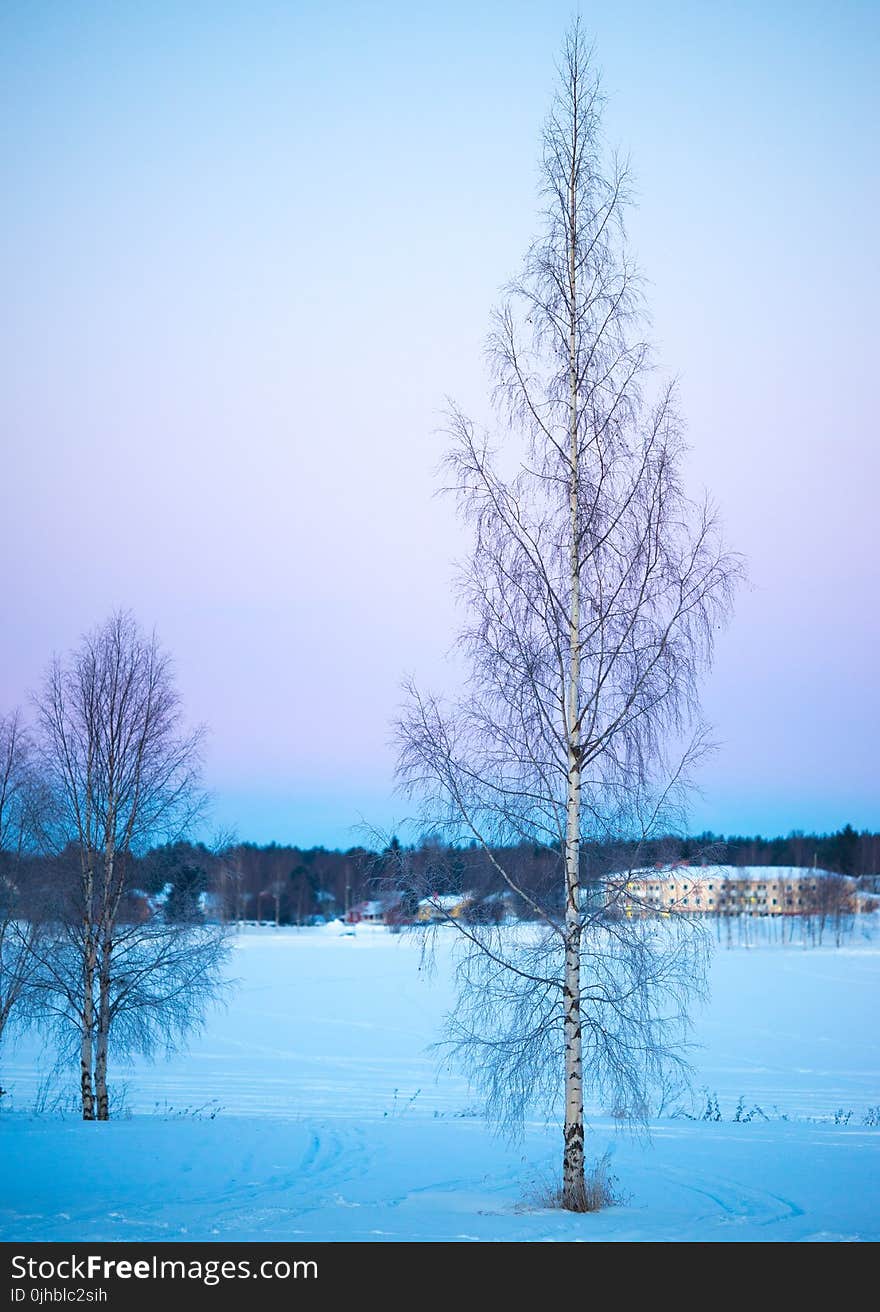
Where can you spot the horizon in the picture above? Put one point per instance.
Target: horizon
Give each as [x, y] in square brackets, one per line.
[241, 282]
[709, 836]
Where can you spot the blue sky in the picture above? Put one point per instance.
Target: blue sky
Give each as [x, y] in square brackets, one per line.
[247, 252]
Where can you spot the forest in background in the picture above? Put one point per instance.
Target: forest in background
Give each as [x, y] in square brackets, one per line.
[286, 884]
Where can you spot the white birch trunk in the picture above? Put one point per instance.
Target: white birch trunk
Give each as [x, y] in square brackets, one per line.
[87, 1088]
[102, 1043]
[573, 1160]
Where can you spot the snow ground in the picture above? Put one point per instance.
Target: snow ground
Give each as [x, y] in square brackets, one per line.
[310, 1109]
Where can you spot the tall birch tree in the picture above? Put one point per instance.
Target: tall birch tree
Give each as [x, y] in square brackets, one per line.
[593, 589]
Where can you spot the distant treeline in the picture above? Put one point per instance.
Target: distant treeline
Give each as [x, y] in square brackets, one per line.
[846, 852]
[292, 885]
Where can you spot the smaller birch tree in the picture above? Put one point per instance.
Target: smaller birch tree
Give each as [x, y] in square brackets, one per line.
[22, 803]
[125, 775]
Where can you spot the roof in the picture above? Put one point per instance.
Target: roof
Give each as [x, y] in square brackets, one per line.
[445, 901]
[742, 874]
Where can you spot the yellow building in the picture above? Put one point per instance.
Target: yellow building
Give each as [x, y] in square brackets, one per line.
[443, 906]
[733, 890]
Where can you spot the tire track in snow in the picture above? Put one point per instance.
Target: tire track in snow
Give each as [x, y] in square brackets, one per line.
[333, 1159]
[737, 1203]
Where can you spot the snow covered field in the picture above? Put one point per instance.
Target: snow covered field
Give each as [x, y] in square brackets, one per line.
[310, 1109]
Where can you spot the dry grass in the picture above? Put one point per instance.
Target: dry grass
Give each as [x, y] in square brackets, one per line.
[599, 1192]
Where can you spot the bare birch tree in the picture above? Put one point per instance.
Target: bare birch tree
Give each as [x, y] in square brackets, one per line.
[125, 775]
[594, 588]
[164, 977]
[21, 807]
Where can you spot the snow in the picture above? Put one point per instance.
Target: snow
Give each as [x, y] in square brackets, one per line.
[311, 1108]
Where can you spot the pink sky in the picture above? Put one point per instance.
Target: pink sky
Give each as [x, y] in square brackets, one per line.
[245, 260]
